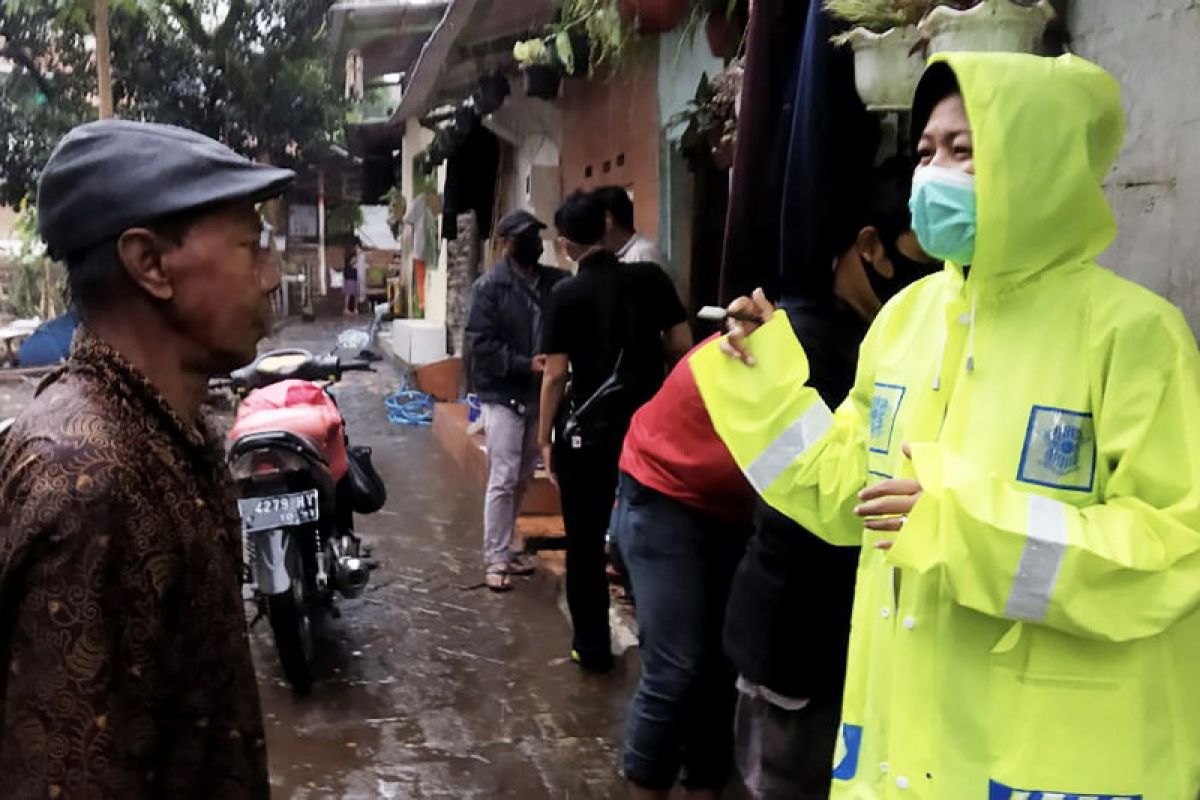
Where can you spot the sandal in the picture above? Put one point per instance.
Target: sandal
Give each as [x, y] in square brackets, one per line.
[495, 577]
[520, 564]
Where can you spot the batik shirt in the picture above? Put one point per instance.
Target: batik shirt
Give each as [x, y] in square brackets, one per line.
[125, 667]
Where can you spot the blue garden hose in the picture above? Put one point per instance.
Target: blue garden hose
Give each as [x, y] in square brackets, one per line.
[409, 407]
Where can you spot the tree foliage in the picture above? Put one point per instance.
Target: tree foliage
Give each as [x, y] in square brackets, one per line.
[251, 73]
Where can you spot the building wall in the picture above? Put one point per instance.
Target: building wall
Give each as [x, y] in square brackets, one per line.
[683, 60]
[1150, 45]
[416, 139]
[610, 135]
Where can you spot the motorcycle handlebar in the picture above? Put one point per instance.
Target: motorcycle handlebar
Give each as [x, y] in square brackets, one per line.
[356, 365]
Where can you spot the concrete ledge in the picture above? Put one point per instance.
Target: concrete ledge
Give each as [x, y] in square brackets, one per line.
[441, 379]
[469, 453]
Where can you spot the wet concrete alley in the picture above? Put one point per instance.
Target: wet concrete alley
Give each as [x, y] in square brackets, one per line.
[433, 689]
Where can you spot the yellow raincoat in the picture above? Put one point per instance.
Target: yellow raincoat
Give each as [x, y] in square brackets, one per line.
[1034, 633]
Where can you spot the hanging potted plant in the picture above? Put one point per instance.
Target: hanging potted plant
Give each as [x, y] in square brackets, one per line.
[988, 25]
[541, 74]
[711, 118]
[888, 48]
[724, 26]
[491, 92]
[653, 16]
[589, 34]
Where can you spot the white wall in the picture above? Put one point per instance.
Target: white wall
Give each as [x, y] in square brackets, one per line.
[1151, 46]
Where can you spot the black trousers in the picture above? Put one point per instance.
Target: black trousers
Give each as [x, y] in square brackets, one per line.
[587, 481]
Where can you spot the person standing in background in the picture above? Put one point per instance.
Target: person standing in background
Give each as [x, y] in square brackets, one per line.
[616, 327]
[788, 618]
[504, 328]
[619, 234]
[350, 280]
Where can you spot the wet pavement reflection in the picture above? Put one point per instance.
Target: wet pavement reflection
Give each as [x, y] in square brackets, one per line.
[430, 688]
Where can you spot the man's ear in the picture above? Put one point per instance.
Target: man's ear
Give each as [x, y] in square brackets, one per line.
[141, 252]
[872, 252]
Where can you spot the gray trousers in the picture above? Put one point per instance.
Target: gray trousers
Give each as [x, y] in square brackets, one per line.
[512, 456]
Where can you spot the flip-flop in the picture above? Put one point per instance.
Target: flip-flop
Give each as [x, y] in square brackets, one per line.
[495, 578]
[520, 564]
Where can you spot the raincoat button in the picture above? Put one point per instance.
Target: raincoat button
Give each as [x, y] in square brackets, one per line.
[910, 623]
[883, 767]
[901, 782]
[885, 612]
[964, 318]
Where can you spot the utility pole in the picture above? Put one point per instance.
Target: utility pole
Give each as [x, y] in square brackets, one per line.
[103, 60]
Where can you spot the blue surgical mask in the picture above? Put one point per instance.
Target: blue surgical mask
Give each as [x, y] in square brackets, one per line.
[943, 213]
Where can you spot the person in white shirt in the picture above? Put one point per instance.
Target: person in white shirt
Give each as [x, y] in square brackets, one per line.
[620, 236]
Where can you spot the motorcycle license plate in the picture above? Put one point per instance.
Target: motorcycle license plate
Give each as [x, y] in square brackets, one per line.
[279, 511]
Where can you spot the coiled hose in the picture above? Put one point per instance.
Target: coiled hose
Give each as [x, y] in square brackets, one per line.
[409, 407]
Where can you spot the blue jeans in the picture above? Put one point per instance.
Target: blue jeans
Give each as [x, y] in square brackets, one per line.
[680, 563]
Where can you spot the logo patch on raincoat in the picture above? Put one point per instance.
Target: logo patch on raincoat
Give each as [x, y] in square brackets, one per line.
[1060, 449]
[998, 791]
[885, 405]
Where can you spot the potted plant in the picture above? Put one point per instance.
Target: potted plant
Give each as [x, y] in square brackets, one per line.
[653, 16]
[988, 25]
[491, 92]
[725, 26]
[541, 74]
[711, 117]
[888, 51]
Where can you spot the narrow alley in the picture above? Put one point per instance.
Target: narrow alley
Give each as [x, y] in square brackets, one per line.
[436, 689]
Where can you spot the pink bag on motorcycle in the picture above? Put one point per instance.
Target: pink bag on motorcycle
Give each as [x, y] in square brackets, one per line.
[298, 407]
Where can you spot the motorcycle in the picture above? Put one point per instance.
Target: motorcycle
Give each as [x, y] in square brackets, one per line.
[299, 486]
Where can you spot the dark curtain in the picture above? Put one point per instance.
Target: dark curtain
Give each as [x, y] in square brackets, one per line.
[805, 149]
[751, 247]
[828, 153]
[710, 201]
[471, 176]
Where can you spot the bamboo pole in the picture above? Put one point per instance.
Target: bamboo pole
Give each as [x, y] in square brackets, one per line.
[103, 60]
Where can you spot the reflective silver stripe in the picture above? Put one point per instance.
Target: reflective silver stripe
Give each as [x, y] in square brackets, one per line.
[801, 435]
[1045, 546]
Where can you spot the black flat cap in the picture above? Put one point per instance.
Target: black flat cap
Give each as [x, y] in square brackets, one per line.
[517, 222]
[106, 177]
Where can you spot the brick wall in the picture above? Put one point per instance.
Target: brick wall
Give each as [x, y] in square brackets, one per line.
[610, 130]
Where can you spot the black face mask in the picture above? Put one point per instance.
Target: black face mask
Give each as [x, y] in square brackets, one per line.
[527, 250]
[904, 271]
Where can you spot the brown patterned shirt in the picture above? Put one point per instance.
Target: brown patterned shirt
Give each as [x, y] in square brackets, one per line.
[125, 667]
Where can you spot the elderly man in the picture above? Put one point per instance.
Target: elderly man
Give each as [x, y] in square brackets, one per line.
[503, 330]
[124, 664]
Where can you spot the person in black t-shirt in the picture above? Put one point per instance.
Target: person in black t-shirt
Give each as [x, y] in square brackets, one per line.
[617, 328]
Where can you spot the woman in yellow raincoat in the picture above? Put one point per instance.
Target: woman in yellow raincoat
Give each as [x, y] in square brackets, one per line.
[1020, 459]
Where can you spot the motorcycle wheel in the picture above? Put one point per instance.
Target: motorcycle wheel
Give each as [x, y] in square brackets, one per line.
[292, 628]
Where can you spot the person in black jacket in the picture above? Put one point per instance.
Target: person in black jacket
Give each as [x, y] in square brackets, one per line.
[788, 619]
[503, 331]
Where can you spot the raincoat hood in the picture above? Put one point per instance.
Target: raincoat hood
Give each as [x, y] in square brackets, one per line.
[1045, 131]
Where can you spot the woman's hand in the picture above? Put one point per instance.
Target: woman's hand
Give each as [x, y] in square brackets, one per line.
[735, 345]
[886, 505]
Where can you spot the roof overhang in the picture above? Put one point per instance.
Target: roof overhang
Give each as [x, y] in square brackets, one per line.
[389, 33]
[473, 38]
